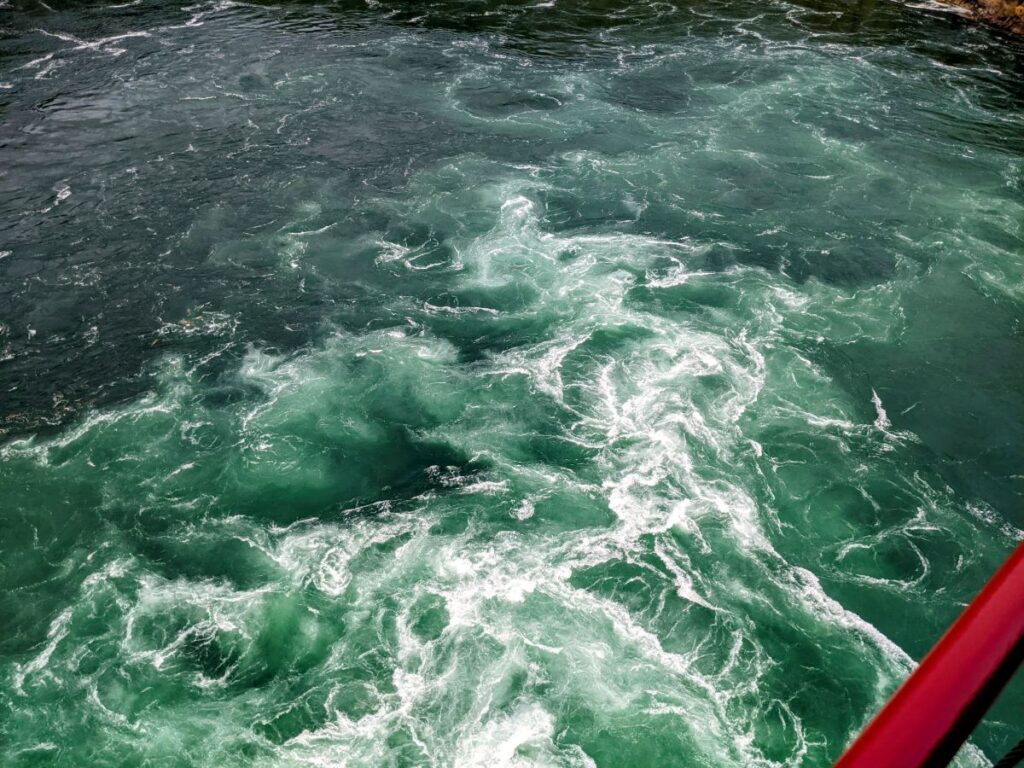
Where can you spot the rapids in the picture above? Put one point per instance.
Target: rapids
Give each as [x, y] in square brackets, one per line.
[499, 383]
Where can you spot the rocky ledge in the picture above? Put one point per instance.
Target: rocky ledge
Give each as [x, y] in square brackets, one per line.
[1006, 14]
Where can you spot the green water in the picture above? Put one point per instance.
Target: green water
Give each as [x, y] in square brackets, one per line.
[499, 384]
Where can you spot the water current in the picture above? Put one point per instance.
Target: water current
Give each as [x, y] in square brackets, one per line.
[455, 383]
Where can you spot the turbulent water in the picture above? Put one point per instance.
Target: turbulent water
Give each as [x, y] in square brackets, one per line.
[499, 384]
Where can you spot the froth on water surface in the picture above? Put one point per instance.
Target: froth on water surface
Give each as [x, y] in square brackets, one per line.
[520, 384]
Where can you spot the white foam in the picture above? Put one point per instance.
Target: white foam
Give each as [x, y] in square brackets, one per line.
[882, 422]
[57, 631]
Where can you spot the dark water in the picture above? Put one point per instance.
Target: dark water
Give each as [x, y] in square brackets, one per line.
[506, 384]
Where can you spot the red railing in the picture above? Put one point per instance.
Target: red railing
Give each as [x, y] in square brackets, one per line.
[933, 713]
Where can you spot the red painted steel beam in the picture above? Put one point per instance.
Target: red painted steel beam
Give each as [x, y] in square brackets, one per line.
[933, 713]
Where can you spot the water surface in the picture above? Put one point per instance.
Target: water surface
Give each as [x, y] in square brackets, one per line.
[508, 384]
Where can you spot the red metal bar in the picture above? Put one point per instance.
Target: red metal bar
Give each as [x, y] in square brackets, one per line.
[933, 713]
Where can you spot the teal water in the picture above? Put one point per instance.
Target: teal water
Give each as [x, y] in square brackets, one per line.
[507, 384]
